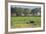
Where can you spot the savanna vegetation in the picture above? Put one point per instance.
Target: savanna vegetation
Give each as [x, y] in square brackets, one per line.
[25, 17]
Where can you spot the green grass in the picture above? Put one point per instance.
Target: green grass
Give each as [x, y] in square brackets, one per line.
[20, 22]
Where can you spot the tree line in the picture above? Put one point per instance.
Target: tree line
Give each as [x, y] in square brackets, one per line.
[25, 11]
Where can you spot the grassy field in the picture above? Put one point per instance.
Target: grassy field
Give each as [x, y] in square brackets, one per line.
[21, 22]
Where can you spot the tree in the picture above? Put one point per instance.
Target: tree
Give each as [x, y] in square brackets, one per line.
[13, 10]
[35, 11]
[19, 11]
[25, 11]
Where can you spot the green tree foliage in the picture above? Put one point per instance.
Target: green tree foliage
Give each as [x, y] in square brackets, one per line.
[35, 11]
[26, 11]
[18, 11]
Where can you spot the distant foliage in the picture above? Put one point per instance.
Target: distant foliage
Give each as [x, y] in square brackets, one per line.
[36, 11]
[25, 11]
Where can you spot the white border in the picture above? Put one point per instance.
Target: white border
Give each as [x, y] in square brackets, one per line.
[24, 29]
